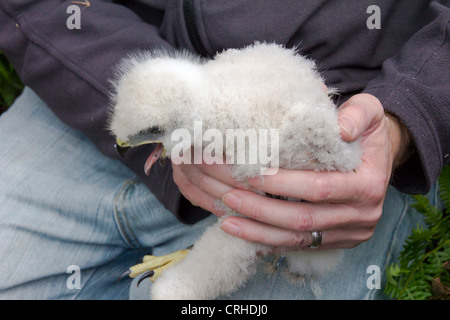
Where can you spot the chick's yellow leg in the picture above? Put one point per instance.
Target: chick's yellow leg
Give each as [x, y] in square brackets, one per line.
[153, 266]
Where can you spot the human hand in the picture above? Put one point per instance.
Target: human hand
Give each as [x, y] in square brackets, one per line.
[202, 184]
[344, 206]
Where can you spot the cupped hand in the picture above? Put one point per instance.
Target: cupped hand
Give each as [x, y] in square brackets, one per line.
[344, 206]
[202, 184]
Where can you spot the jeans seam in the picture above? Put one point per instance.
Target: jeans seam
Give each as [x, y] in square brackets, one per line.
[120, 214]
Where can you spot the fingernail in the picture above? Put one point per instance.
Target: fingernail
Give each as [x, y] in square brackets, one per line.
[231, 201]
[231, 228]
[347, 125]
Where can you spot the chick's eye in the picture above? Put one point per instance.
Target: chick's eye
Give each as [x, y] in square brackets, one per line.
[154, 129]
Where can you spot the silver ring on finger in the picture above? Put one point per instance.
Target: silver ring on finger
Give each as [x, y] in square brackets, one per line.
[317, 239]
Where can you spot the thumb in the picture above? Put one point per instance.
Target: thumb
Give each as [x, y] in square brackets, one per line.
[360, 115]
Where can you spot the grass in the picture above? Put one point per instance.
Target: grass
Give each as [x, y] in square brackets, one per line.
[10, 84]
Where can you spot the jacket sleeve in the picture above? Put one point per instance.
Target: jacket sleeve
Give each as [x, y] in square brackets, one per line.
[415, 87]
[71, 69]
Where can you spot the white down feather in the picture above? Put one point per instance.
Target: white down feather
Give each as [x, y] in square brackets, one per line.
[260, 86]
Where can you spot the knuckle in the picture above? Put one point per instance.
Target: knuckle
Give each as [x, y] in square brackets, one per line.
[358, 239]
[369, 218]
[366, 235]
[187, 195]
[297, 240]
[373, 193]
[362, 236]
[209, 206]
[363, 114]
[373, 218]
[256, 212]
[302, 220]
[364, 194]
[203, 181]
[185, 183]
[379, 189]
[321, 190]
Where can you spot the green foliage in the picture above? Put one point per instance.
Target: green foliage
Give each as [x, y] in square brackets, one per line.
[10, 84]
[423, 268]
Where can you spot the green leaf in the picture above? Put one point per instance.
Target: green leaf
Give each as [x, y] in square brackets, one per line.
[10, 84]
[425, 251]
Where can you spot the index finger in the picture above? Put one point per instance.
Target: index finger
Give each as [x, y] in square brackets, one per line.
[221, 172]
[313, 186]
[291, 215]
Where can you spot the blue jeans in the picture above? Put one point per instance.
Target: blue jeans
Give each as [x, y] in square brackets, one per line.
[72, 221]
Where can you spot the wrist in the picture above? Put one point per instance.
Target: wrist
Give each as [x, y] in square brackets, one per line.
[400, 140]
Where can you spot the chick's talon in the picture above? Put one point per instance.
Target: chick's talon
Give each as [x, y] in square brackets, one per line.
[148, 274]
[153, 266]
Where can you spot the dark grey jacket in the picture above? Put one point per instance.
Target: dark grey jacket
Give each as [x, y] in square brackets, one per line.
[405, 63]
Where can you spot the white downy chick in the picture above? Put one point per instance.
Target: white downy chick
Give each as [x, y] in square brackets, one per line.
[262, 86]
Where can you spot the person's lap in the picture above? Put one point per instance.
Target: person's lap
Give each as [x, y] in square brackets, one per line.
[63, 203]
